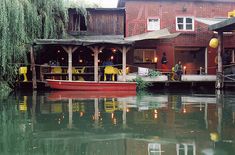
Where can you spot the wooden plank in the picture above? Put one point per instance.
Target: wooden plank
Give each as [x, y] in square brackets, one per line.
[34, 78]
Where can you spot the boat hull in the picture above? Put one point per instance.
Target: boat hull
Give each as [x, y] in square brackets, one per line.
[91, 85]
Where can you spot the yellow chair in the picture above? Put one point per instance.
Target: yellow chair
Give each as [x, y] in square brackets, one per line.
[23, 105]
[120, 71]
[78, 70]
[23, 71]
[110, 106]
[110, 70]
[173, 73]
[56, 69]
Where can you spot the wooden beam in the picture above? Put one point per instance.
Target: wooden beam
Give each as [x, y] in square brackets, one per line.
[219, 76]
[34, 77]
[124, 51]
[70, 51]
[206, 61]
[96, 51]
[70, 107]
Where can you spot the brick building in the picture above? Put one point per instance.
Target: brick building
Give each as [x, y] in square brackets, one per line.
[191, 47]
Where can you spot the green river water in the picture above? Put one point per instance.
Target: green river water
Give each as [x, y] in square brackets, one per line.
[78, 123]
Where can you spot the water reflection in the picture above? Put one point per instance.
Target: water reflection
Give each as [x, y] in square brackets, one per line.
[117, 123]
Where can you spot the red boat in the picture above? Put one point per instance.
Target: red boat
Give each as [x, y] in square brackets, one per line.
[91, 85]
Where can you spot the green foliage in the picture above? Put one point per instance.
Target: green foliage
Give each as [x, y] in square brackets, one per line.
[4, 90]
[22, 21]
[153, 73]
[141, 84]
[81, 6]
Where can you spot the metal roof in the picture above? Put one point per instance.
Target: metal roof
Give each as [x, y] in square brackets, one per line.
[158, 34]
[225, 26]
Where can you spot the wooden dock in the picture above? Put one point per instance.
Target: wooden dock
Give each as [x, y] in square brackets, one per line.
[159, 82]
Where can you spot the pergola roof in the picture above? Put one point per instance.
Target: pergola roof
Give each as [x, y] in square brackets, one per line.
[108, 39]
[225, 26]
[86, 40]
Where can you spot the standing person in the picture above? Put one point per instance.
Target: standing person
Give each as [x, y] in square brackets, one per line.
[164, 63]
[178, 70]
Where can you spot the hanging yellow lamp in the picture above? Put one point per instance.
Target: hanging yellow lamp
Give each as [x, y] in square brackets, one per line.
[214, 42]
[214, 136]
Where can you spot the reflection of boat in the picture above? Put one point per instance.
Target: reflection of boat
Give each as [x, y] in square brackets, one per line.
[60, 95]
[91, 85]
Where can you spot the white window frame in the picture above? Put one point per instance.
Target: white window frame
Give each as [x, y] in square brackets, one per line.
[154, 149]
[153, 26]
[185, 148]
[184, 23]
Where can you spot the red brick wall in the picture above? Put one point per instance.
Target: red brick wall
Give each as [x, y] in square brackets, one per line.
[137, 13]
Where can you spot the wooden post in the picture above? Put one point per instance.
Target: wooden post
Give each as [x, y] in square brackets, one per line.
[219, 76]
[96, 51]
[124, 104]
[34, 104]
[96, 64]
[124, 50]
[233, 57]
[219, 103]
[206, 61]
[34, 78]
[96, 115]
[70, 107]
[70, 51]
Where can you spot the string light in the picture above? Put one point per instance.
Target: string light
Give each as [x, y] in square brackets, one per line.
[155, 59]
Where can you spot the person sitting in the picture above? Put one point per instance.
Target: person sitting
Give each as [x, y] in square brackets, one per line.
[178, 70]
[107, 62]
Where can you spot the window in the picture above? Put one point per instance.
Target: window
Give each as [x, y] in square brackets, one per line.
[186, 149]
[145, 55]
[153, 24]
[154, 149]
[184, 23]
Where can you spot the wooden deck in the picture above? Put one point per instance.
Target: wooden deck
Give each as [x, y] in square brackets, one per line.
[188, 81]
[166, 79]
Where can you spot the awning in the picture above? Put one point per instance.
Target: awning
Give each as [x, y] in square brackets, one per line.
[227, 25]
[209, 21]
[86, 40]
[158, 34]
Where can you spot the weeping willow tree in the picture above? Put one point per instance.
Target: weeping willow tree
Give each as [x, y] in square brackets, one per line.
[21, 21]
[81, 6]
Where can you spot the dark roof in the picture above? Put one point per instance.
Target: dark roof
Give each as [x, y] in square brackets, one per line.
[225, 26]
[121, 3]
[106, 9]
[86, 40]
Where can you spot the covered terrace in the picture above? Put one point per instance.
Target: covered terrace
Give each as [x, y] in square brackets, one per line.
[93, 48]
